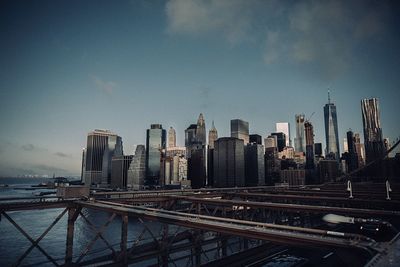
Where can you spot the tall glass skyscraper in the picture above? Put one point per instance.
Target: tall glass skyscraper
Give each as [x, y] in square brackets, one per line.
[331, 130]
[300, 140]
[99, 143]
[155, 143]
[373, 140]
[113, 149]
[240, 129]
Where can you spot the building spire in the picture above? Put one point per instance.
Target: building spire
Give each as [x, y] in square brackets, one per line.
[329, 96]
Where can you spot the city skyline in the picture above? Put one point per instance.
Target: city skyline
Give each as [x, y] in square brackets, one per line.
[69, 68]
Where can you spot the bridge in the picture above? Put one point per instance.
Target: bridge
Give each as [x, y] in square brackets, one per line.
[235, 226]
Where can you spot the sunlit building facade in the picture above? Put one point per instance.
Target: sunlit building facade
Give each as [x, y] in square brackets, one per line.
[284, 127]
[240, 130]
[373, 140]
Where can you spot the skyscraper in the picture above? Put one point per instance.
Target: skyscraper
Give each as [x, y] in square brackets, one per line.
[300, 141]
[254, 164]
[155, 143]
[352, 163]
[113, 149]
[137, 169]
[359, 150]
[256, 139]
[331, 130]
[240, 129]
[201, 130]
[196, 146]
[229, 169]
[171, 137]
[281, 140]
[212, 136]
[119, 173]
[284, 127]
[373, 141]
[309, 130]
[97, 142]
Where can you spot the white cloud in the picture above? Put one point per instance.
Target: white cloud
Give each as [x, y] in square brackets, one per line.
[229, 18]
[322, 34]
[107, 87]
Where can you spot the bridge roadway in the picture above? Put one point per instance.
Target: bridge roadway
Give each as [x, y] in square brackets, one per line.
[263, 231]
[290, 207]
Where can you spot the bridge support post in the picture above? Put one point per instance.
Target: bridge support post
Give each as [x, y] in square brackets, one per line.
[72, 216]
[124, 239]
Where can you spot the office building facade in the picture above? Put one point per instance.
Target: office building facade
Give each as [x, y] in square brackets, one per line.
[119, 171]
[155, 145]
[171, 137]
[97, 142]
[281, 140]
[229, 167]
[300, 139]
[373, 141]
[240, 130]
[255, 139]
[254, 164]
[212, 136]
[137, 169]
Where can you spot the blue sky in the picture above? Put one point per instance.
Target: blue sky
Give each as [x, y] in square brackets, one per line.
[68, 67]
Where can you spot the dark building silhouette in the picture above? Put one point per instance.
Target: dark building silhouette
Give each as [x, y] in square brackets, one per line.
[196, 149]
[331, 130]
[318, 149]
[256, 139]
[254, 164]
[196, 166]
[328, 170]
[210, 167]
[119, 174]
[229, 169]
[352, 158]
[155, 143]
[309, 145]
[281, 138]
[212, 137]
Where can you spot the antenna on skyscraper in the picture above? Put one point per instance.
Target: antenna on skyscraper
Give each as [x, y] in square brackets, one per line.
[329, 96]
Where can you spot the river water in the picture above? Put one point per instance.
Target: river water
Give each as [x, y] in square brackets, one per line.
[13, 244]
